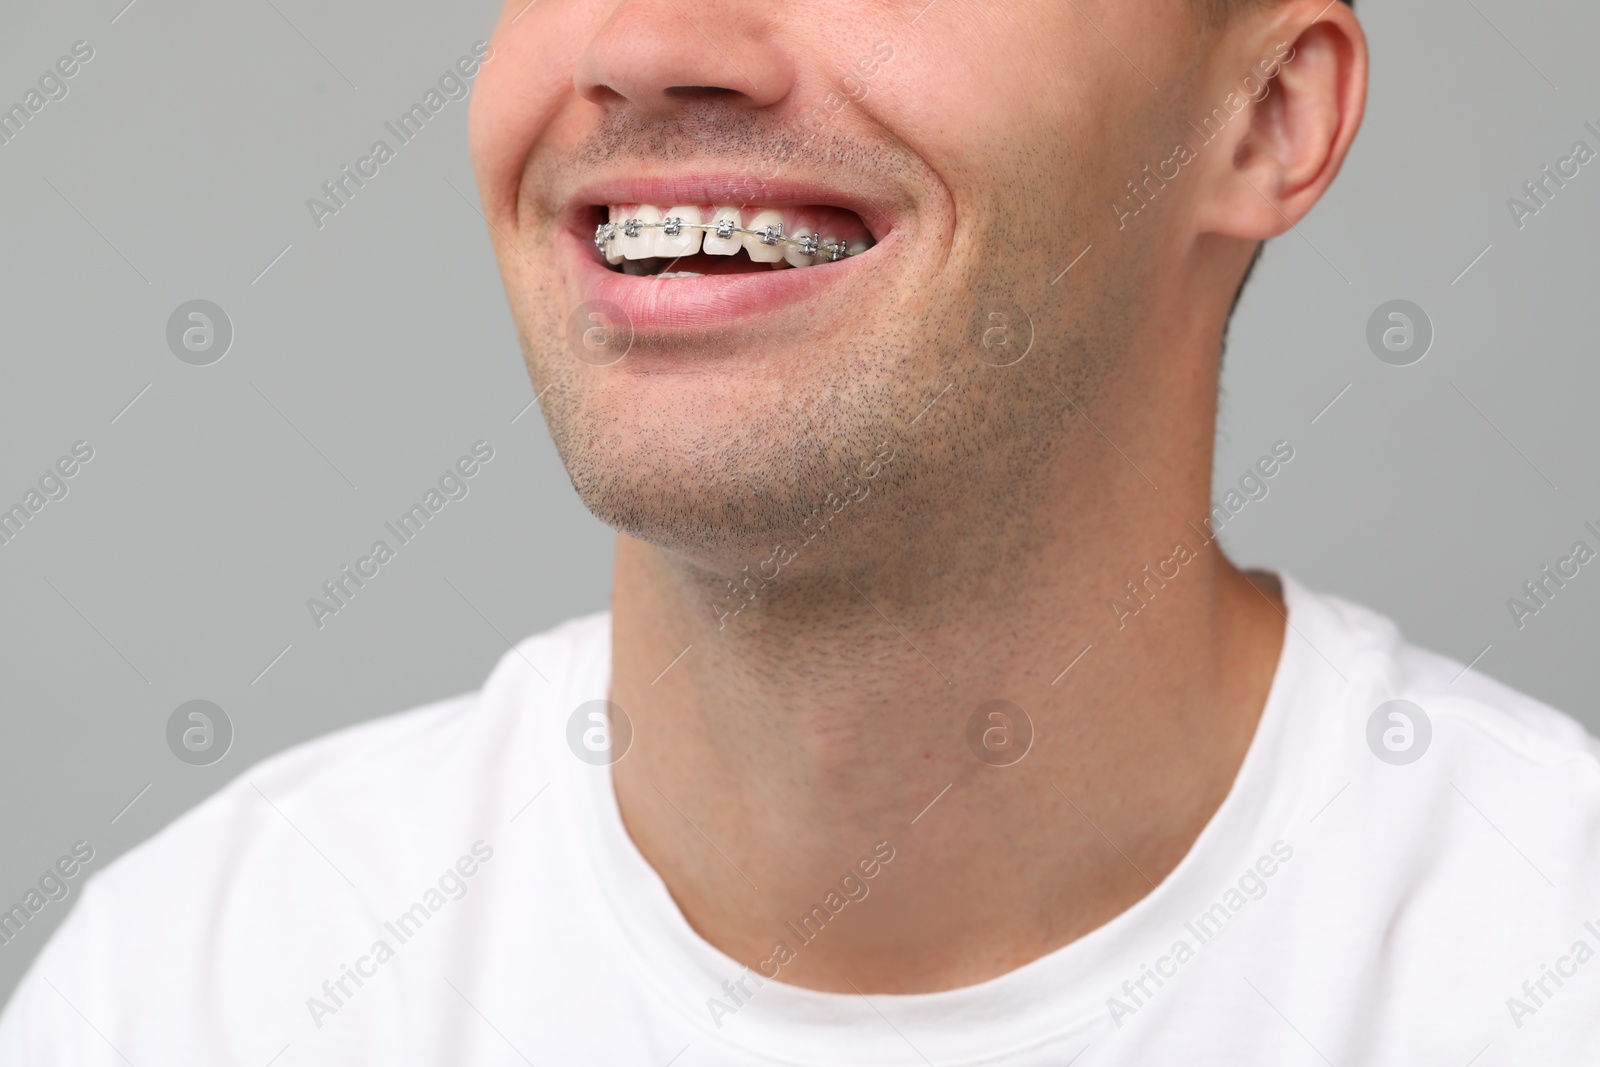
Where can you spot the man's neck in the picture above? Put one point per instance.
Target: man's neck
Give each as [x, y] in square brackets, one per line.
[772, 753]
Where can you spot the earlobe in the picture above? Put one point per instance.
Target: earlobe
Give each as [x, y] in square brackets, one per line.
[1293, 139]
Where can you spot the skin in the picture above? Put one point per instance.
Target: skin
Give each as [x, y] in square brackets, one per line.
[827, 713]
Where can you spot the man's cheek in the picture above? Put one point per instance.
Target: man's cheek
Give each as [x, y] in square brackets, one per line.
[516, 100]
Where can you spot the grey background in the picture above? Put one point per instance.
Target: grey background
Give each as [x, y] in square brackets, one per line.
[378, 348]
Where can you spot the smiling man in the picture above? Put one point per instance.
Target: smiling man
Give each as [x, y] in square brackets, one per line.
[929, 723]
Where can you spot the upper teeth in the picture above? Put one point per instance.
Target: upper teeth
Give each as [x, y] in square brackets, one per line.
[645, 231]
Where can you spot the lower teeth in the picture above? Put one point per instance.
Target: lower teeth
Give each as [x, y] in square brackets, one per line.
[681, 274]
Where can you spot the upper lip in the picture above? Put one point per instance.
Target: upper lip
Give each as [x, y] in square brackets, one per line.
[719, 188]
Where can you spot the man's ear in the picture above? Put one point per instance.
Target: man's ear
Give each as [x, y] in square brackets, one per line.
[1295, 138]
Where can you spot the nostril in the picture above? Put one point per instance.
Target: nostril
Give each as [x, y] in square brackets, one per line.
[696, 91]
[603, 94]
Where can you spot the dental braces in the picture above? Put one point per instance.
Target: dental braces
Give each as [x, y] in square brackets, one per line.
[807, 244]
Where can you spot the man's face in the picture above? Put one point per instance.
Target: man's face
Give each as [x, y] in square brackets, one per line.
[967, 150]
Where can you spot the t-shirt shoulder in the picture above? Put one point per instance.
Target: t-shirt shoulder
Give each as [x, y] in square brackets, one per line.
[1512, 720]
[1503, 720]
[399, 767]
[316, 839]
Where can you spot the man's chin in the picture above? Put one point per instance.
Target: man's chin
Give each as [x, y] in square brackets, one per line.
[717, 531]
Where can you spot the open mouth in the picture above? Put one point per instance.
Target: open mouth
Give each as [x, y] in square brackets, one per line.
[700, 240]
[677, 255]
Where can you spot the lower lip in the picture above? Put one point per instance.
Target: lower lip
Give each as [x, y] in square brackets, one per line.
[710, 301]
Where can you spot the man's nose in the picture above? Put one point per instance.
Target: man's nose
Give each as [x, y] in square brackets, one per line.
[653, 56]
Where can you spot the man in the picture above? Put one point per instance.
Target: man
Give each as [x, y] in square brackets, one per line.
[929, 724]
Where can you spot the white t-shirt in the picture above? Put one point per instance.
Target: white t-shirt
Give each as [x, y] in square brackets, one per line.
[475, 879]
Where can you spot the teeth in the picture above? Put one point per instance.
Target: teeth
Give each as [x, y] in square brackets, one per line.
[804, 255]
[724, 246]
[764, 248]
[636, 236]
[614, 248]
[687, 240]
[641, 246]
[681, 274]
